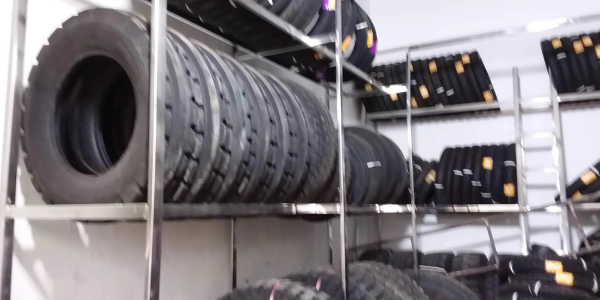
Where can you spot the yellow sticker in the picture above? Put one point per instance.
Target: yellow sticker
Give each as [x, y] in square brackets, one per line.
[466, 58]
[488, 96]
[369, 38]
[368, 87]
[346, 43]
[577, 195]
[598, 51]
[432, 67]
[413, 102]
[553, 267]
[488, 163]
[459, 67]
[587, 41]
[331, 5]
[394, 97]
[556, 43]
[430, 176]
[565, 278]
[424, 92]
[578, 46]
[509, 190]
[411, 67]
[588, 177]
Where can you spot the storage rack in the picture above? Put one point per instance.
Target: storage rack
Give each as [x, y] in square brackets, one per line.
[154, 211]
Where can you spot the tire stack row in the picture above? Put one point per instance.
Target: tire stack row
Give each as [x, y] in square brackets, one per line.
[435, 82]
[477, 175]
[586, 184]
[312, 17]
[425, 174]
[379, 171]
[232, 134]
[573, 62]
[484, 287]
[365, 281]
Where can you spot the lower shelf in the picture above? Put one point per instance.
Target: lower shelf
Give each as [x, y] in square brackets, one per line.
[139, 211]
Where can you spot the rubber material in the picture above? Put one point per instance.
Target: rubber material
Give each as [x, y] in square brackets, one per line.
[438, 260]
[441, 287]
[466, 261]
[275, 289]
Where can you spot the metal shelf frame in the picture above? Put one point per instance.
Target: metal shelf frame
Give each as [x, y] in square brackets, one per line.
[154, 211]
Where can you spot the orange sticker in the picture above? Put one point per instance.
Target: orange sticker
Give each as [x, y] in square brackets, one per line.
[331, 5]
[577, 195]
[466, 58]
[368, 87]
[578, 46]
[369, 38]
[394, 97]
[588, 177]
[556, 43]
[509, 190]
[488, 96]
[565, 278]
[587, 41]
[488, 163]
[413, 102]
[459, 67]
[432, 67]
[346, 43]
[430, 177]
[598, 51]
[424, 92]
[411, 67]
[553, 267]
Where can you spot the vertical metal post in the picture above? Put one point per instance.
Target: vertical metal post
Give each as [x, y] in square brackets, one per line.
[559, 161]
[330, 241]
[341, 145]
[233, 255]
[411, 171]
[10, 147]
[521, 178]
[156, 148]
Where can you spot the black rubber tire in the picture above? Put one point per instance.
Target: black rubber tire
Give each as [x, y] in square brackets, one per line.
[325, 280]
[302, 16]
[576, 73]
[426, 183]
[360, 181]
[437, 81]
[565, 68]
[470, 92]
[124, 179]
[529, 264]
[504, 269]
[541, 251]
[373, 171]
[580, 57]
[404, 259]
[461, 96]
[588, 177]
[400, 170]
[591, 59]
[589, 284]
[279, 141]
[371, 52]
[467, 187]
[477, 171]
[497, 183]
[295, 170]
[459, 178]
[441, 287]
[232, 138]
[257, 135]
[275, 289]
[538, 289]
[205, 123]
[446, 81]
[441, 260]
[483, 78]
[440, 191]
[423, 68]
[485, 175]
[378, 255]
[466, 261]
[553, 66]
[424, 91]
[450, 175]
[472, 78]
[510, 175]
[395, 283]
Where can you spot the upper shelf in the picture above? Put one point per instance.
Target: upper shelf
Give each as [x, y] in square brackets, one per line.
[485, 109]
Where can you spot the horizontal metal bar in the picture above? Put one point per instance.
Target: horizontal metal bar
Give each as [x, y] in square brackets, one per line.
[542, 169]
[538, 135]
[316, 41]
[75, 212]
[541, 186]
[538, 148]
[532, 27]
[475, 271]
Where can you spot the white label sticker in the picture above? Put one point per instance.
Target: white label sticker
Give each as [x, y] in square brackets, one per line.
[458, 173]
[486, 195]
[362, 25]
[467, 172]
[418, 167]
[440, 90]
[476, 183]
[561, 56]
[373, 164]
[450, 92]
[509, 163]
[439, 186]
[413, 82]
[594, 170]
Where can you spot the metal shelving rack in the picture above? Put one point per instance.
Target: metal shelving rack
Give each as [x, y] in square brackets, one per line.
[154, 211]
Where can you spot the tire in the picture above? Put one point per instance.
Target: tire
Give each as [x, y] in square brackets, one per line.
[497, 180]
[525, 265]
[538, 289]
[437, 82]
[553, 66]
[438, 260]
[62, 161]
[466, 261]
[425, 92]
[451, 175]
[400, 170]
[589, 284]
[404, 259]
[423, 67]
[396, 284]
[373, 172]
[591, 59]
[459, 178]
[485, 175]
[576, 72]
[378, 255]
[470, 92]
[446, 81]
[510, 176]
[580, 57]
[472, 78]
[467, 186]
[565, 68]
[321, 133]
[483, 78]
[441, 197]
[441, 287]
[542, 251]
[324, 280]
[276, 289]
[426, 182]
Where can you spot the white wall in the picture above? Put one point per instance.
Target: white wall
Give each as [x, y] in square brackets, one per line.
[401, 23]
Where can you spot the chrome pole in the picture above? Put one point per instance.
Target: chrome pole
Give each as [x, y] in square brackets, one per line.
[10, 154]
[330, 241]
[233, 254]
[521, 179]
[561, 182]
[156, 148]
[411, 171]
[339, 95]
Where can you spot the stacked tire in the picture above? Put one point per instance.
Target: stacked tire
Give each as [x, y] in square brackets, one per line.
[232, 134]
[425, 174]
[477, 175]
[311, 17]
[435, 82]
[573, 62]
[379, 171]
[587, 183]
